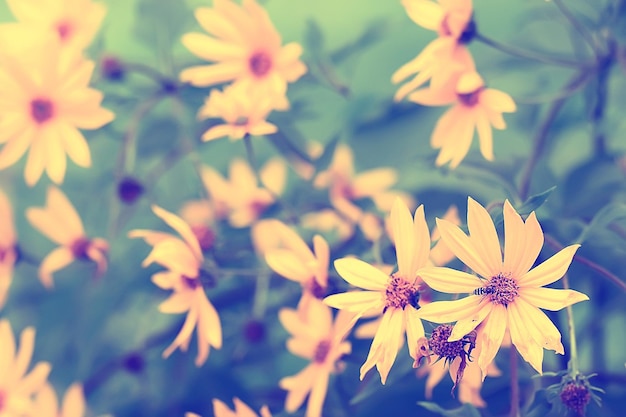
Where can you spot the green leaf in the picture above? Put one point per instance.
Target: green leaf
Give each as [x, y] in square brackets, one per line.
[326, 157]
[607, 215]
[313, 38]
[531, 204]
[466, 410]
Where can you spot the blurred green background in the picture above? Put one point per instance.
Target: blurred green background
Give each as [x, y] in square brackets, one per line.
[109, 334]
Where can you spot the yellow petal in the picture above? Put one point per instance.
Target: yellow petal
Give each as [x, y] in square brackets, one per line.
[539, 326]
[404, 237]
[361, 274]
[25, 353]
[59, 258]
[550, 270]
[485, 135]
[414, 329]
[491, 336]
[318, 394]
[467, 324]
[356, 301]
[299, 386]
[521, 337]
[463, 247]
[182, 228]
[427, 14]
[448, 311]
[551, 299]
[288, 265]
[483, 236]
[73, 402]
[211, 49]
[450, 280]
[207, 75]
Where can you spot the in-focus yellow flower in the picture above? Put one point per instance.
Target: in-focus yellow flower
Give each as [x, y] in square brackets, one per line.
[345, 186]
[295, 261]
[509, 294]
[8, 252]
[395, 295]
[317, 338]
[243, 111]
[244, 47]
[47, 404]
[474, 108]
[60, 222]
[240, 196]
[45, 99]
[75, 22]
[445, 56]
[17, 388]
[183, 260]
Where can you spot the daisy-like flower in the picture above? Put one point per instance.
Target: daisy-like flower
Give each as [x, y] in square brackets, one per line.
[244, 47]
[445, 56]
[74, 22]
[296, 262]
[241, 410]
[47, 404]
[395, 295]
[17, 387]
[345, 186]
[239, 197]
[45, 100]
[508, 294]
[183, 259]
[317, 338]
[243, 111]
[474, 108]
[8, 252]
[60, 222]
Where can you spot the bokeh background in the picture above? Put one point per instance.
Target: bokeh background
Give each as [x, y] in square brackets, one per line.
[108, 333]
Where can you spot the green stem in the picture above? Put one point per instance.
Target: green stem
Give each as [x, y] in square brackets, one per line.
[252, 157]
[578, 26]
[515, 399]
[573, 351]
[525, 54]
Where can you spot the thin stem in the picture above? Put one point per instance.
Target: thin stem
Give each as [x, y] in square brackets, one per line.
[541, 137]
[251, 157]
[603, 272]
[605, 64]
[573, 351]
[525, 54]
[580, 28]
[515, 399]
[261, 291]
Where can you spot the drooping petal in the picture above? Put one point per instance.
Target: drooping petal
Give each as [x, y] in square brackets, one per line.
[467, 324]
[318, 394]
[182, 228]
[521, 337]
[550, 270]
[450, 280]
[59, 258]
[361, 274]
[491, 336]
[414, 329]
[539, 326]
[449, 311]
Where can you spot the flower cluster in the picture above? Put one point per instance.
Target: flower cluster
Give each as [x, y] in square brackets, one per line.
[449, 68]
[243, 48]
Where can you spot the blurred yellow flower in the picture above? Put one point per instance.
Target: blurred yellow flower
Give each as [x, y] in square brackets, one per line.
[449, 18]
[47, 404]
[241, 410]
[244, 47]
[239, 197]
[474, 107]
[243, 111]
[328, 221]
[509, 294]
[396, 295]
[75, 22]
[60, 222]
[295, 261]
[8, 252]
[316, 337]
[183, 260]
[45, 100]
[346, 187]
[17, 388]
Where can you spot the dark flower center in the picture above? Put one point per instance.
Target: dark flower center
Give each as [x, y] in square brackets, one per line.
[65, 30]
[191, 283]
[400, 293]
[205, 236]
[260, 63]
[575, 397]
[440, 346]
[79, 248]
[470, 99]
[316, 289]
[321, 351]
[501, 290]
[41, 109]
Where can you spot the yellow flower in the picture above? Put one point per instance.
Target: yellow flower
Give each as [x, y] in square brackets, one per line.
[244, 112]
[183, 260]
[241, 410]
[509, 294]
[474, 107]
[240, 197]
[45, 99]
[316, 337]
[47, 405]
[8, 252]
[60, 222]
[345, 186]
[244, 47]
[328, 221]
[16, 386]
[295, 261]
[447, 18]
[396, 296]
[74, 22]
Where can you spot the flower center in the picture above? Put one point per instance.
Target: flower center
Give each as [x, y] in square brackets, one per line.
[470, 99]
[468, 33]
[575, 397]
[321, 351]
[315, 288]
[205, 236]
[41, 109]
[64, 29]
[79, 248]
[260, 63]
[191, 283]
[241, 121]
[440, 346]
[500, 290]
[400, 293]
